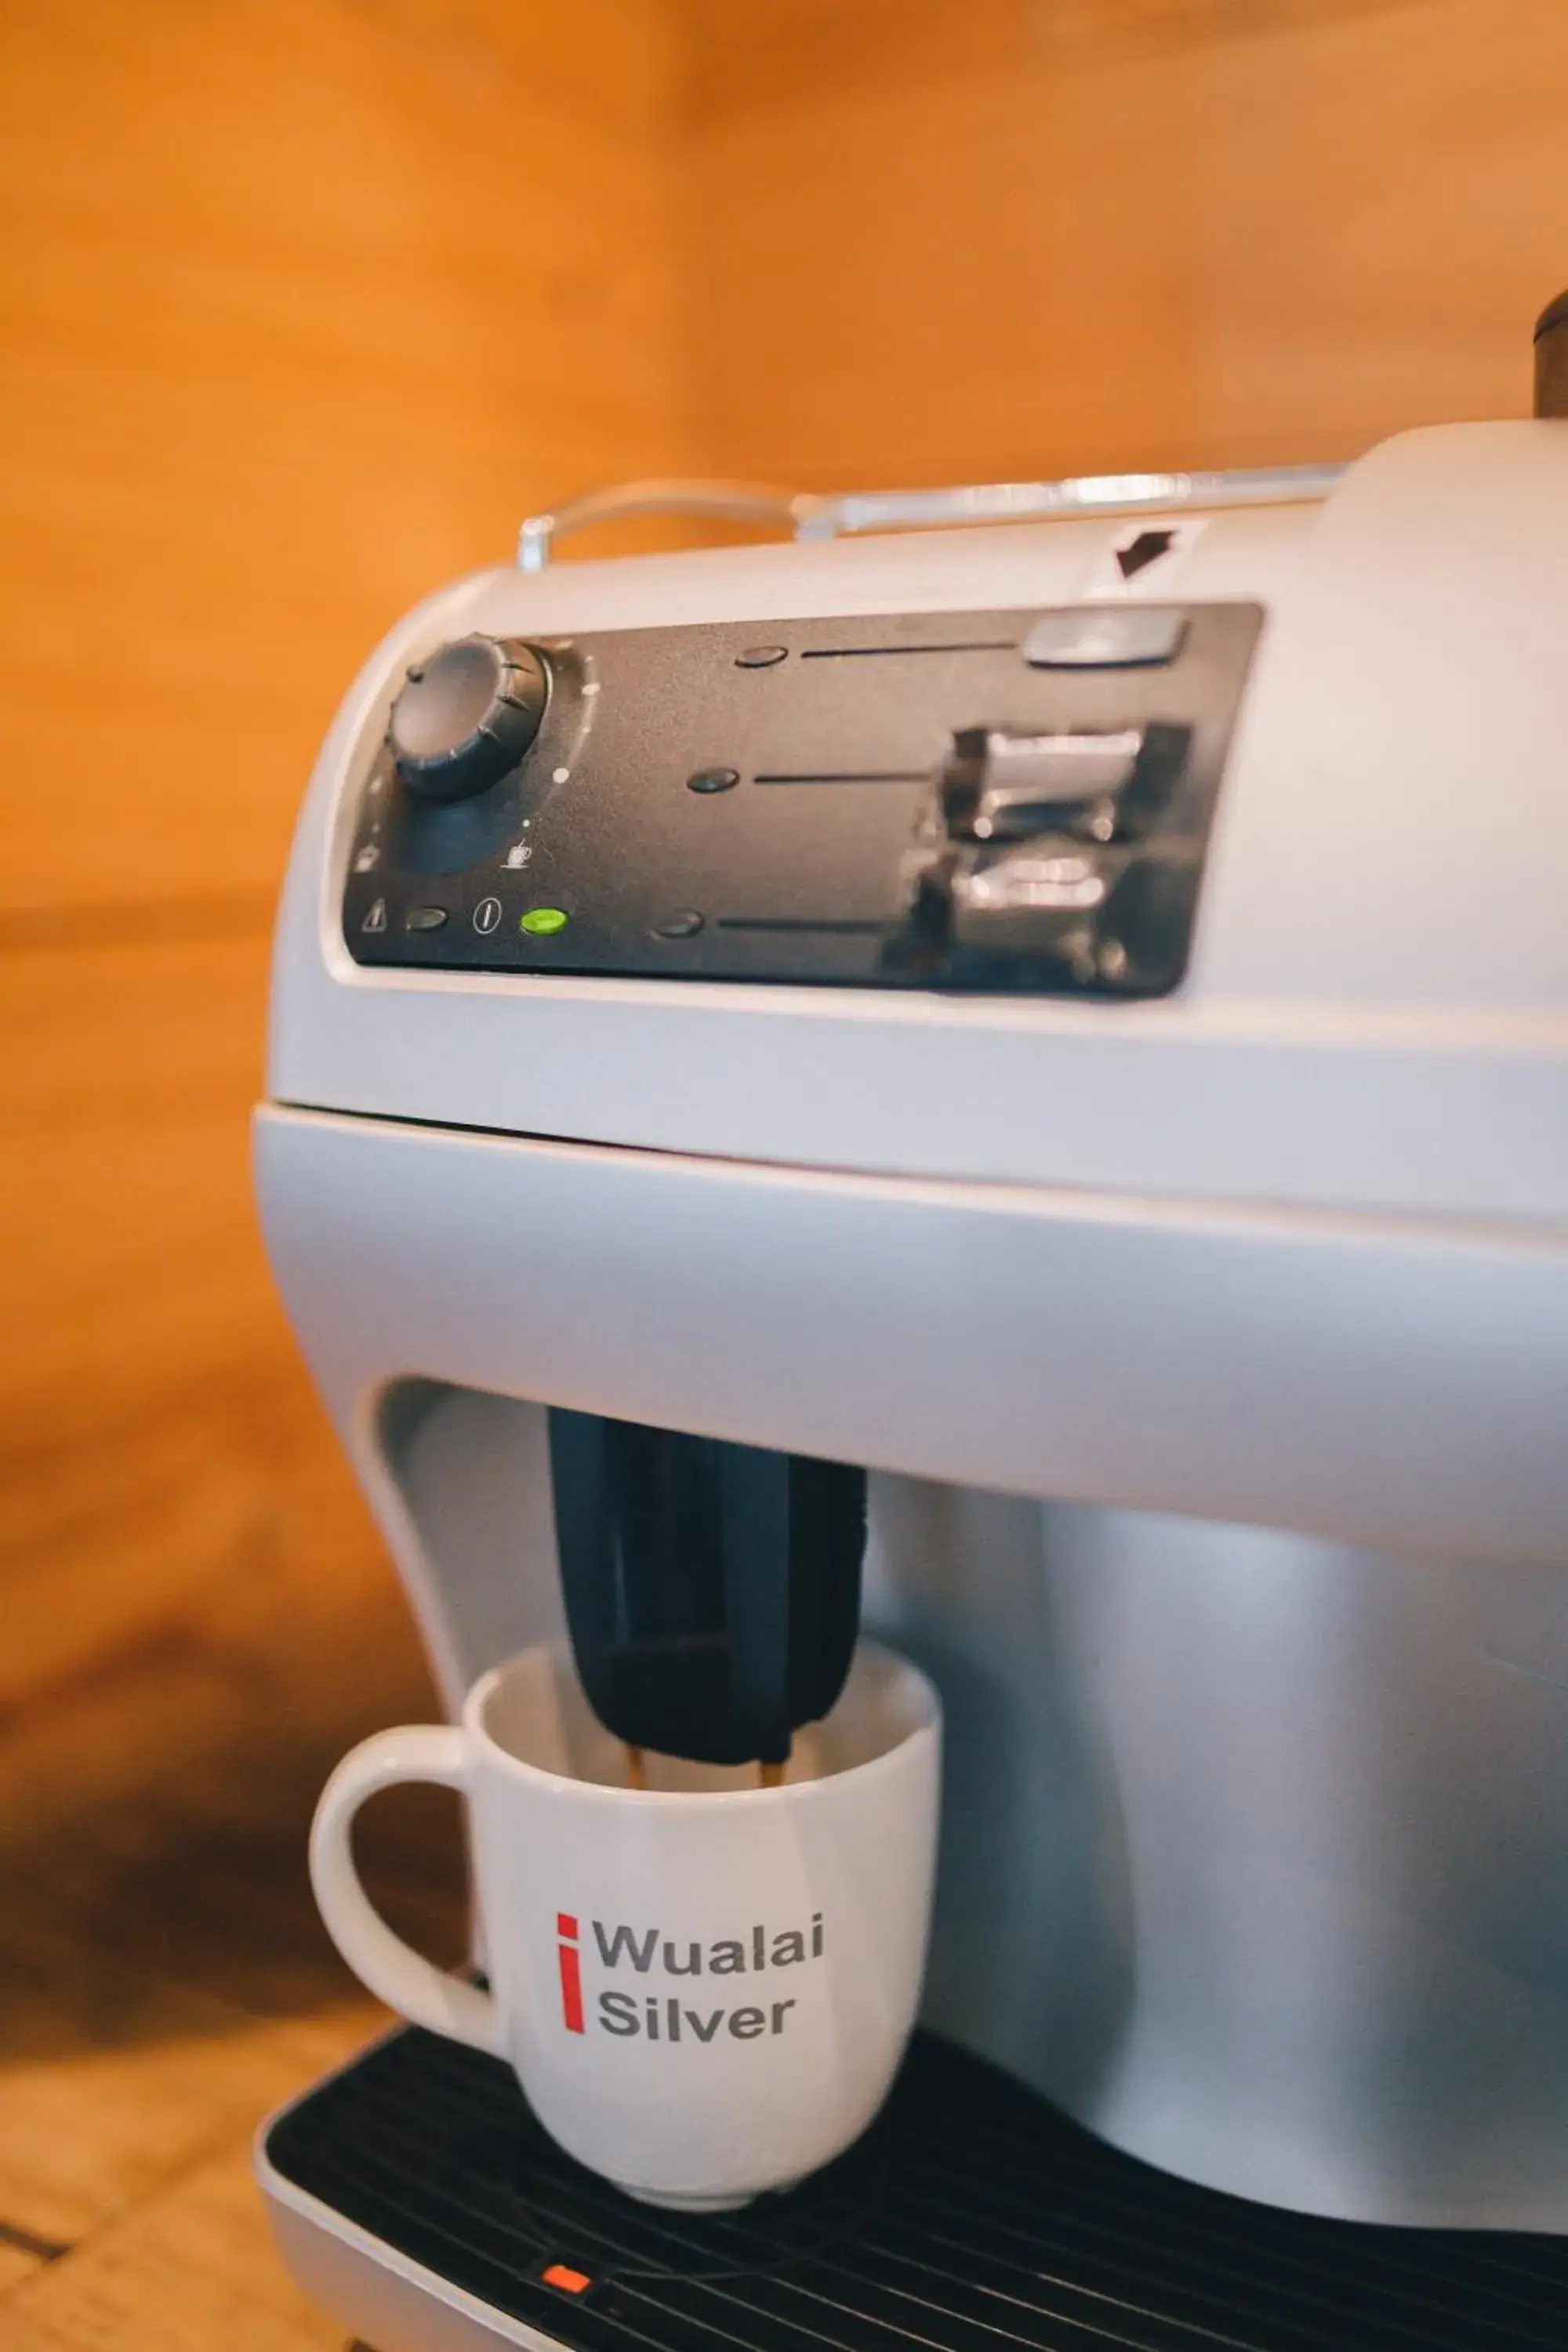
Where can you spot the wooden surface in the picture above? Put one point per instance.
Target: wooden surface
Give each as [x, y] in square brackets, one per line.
[302, 304]
[163, 1978]
[971, 240]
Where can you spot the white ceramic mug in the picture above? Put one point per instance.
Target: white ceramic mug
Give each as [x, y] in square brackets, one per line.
[704, 1986]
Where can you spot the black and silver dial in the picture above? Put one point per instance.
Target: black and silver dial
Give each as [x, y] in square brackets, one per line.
[466, 715]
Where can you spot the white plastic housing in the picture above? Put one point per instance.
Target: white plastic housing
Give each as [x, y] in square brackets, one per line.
[1376, 1016]
[1287, 1250]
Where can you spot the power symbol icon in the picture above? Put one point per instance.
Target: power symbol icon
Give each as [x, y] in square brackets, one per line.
[486, 914]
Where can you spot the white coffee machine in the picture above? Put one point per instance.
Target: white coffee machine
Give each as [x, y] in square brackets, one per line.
[1067, 1011]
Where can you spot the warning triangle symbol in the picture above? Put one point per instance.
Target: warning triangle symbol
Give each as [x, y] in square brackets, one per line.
[376, 918]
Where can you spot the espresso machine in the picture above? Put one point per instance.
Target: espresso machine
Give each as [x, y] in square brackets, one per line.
[1038, 1016]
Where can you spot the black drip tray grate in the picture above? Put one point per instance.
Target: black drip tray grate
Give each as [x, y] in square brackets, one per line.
[970, 2218]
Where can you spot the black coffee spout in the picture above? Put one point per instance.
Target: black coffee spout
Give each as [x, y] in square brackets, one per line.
[713, 1591]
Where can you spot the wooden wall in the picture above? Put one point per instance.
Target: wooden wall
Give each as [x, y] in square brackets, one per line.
[939, 239]
[303, 302]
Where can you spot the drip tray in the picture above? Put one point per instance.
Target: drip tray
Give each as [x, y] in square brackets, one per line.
[971, 2216]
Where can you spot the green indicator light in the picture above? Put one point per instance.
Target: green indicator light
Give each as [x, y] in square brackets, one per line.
[544, 922]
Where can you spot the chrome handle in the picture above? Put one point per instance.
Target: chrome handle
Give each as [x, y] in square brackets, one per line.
[726, 501]
[852, 512]
[1083, 494]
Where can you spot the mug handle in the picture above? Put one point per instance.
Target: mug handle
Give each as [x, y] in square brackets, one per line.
[393, 1969]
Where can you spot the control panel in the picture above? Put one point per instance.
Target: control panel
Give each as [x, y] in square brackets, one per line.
[1011, 801]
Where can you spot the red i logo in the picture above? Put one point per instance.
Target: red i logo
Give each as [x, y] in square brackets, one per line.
[571, 1972]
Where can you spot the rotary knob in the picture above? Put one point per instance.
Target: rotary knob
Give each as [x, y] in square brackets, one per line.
[466, 715]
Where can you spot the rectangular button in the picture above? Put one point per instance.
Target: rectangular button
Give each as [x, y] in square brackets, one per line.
[1032, 784]
[1053, 876]
[1106, 636]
